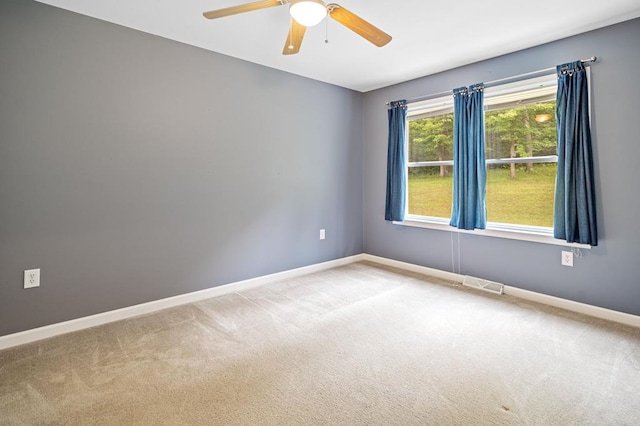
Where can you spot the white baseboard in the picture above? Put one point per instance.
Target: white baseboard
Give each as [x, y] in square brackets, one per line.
[52, 330]
[438, 273]
[570, 305]
[557, 302]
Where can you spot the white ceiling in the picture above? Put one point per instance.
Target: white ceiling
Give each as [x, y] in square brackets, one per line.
[428, 37]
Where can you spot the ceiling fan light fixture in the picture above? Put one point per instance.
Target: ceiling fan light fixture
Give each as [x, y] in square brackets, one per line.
[308, 12]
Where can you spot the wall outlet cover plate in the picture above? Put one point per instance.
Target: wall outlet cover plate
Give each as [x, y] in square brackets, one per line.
[32, 278]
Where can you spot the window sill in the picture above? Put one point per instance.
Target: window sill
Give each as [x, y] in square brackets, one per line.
[535, 235]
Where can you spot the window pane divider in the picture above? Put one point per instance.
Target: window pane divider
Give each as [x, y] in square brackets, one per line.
[541, 159]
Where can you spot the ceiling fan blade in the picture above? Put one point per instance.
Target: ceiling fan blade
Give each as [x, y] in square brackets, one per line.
[248, 7]
[294, 39]
[358, 25]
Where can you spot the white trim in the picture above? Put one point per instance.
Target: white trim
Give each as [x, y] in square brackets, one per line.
[511, 234]
[29, 336]
[526, 88]
[411, 267]
[570, 305]
[52, 330]
[557, 302]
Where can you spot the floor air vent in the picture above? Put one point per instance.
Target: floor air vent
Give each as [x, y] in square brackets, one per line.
[481, 284]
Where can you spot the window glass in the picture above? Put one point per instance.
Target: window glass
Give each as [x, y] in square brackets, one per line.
[520, 149]
[430, 174]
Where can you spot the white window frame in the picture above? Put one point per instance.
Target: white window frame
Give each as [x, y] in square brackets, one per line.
[536, 234]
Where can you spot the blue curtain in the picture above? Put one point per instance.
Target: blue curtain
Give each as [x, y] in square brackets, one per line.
[469, 167]
[574, 216]
[396, 162]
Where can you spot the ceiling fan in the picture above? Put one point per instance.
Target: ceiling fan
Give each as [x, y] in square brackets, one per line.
[307, 13]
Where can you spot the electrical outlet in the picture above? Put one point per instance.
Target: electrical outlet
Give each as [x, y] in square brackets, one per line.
[32, 278]
[567, 258]
[322, 235]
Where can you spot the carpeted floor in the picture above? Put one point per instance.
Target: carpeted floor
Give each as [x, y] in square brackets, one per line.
[355, 345]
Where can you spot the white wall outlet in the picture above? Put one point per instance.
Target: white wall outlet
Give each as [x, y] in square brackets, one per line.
[322, 234]
[567, 258]
[32, 278]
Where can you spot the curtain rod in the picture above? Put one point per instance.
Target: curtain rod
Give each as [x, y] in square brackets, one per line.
[495, 82]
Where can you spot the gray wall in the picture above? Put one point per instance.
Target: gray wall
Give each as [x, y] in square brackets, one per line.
[608, 275]
[134, 168]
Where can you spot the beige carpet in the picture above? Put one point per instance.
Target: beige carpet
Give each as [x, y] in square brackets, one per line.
[355, 345]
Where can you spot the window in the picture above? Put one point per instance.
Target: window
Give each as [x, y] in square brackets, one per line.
[520, 144]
